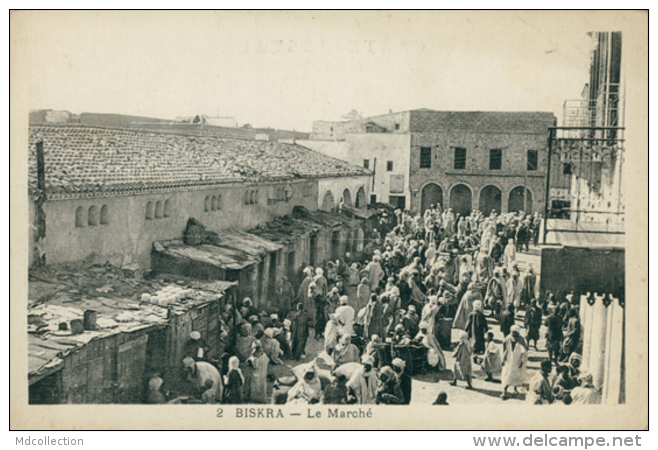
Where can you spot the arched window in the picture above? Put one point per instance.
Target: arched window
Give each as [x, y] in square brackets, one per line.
[158, 209]
[206, 206]
[246, 198]
[149, 210]
[219, 202]
[214, 203]
[167, 208]
[80, 217]
[256, 197]
[104, 215]
[92, 216]
[252, 197]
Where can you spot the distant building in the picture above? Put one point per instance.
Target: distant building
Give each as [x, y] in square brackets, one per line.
[199, 125]
[463, 160]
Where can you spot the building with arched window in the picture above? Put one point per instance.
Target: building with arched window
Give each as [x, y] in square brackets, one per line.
[156, 188]
[420, 157]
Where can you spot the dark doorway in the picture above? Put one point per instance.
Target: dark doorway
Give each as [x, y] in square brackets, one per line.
[246, 283]
[290, 266]
[432, 195]
[156, 358]
[347, 197]
[261, 282]
[272, 277]
[517, 202]
[328, 202]
[335, 244]
[314, 250]
[490, 199]
[397, 201]
[461, 199]
[361, 198]
[46, 391]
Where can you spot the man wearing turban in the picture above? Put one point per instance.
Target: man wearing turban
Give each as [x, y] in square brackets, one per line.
[515, 355]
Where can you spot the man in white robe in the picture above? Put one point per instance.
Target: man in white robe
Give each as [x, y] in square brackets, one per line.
[515, 357]
[345, 315]
[509, 255]
[363, 382]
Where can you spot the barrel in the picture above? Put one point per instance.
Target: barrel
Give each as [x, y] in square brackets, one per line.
[76, 326]
[90, 320]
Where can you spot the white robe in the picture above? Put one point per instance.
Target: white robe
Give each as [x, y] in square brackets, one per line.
[375, 274]
[513, 375]
[345, 316]
[510, 255]
[585, 396]
[364, 386]
[514, 292]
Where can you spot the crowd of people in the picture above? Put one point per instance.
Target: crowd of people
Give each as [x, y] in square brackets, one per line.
[418, 278]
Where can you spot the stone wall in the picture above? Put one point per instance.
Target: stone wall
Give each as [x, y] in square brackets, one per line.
[478, 133]
[128, 235]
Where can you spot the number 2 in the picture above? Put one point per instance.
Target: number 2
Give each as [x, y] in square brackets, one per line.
[220, 411]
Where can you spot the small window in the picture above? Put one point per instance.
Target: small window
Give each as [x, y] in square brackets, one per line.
[397, 126]
[532, 159]
[567, 169]
[219, 202]
[206, 205]
[460, 158]
[246, 198]
[80, 217]
[495, 159]
[425, 157]
[149, 210]
[105, 220]
[213, 205]
[332, 129]
[167, 208]
[92, 216]
[366, 164]
[252, 197]
[389, 166]
[373, 198]
[158, 209]
[256, 197]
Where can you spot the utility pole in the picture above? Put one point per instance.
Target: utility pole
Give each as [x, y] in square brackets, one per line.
[525, 191]
[40, 200]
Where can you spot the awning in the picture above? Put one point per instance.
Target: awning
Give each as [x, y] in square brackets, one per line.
[235, 250]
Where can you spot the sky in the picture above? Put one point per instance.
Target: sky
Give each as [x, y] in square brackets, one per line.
[286, 69]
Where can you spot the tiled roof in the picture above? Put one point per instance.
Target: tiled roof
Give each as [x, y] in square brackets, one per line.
[103, 161]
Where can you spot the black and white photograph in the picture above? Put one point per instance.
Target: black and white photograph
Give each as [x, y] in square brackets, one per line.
[263, 217]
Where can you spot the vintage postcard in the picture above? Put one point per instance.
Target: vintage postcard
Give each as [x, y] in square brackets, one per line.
[329, 220]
